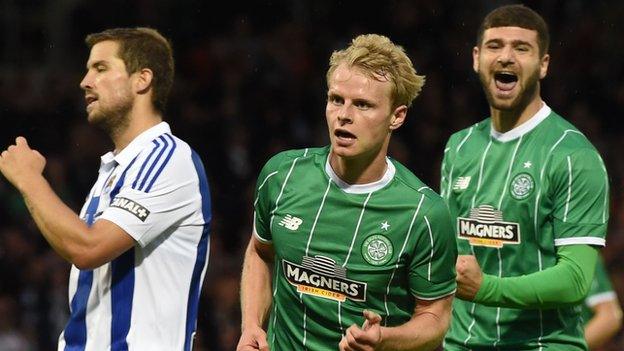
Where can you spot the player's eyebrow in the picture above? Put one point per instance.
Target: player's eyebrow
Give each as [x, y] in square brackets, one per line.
[515, 42]
[521, 42]
[332, 94]
[364, 101]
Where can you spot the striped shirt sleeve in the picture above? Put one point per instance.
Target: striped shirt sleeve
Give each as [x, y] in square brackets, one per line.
[432, 266]
[580, 198]
[158, 191]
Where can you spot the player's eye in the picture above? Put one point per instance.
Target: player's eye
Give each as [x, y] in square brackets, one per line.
[362, 105]
[336, 100]
[100, 67]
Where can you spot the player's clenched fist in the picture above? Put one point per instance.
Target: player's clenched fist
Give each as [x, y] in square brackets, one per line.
[469, 277]
[253, 338]
[19, 163]
[365, 339]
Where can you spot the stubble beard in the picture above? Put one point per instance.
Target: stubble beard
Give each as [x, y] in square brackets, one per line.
[113, 120]
[522, 99]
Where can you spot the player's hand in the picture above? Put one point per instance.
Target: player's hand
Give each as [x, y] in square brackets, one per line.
[366, 338]
[253, 338]
[469, 277]
[19, 163]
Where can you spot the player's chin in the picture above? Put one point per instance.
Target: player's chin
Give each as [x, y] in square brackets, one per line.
[344, 151]
[503, 103]
[93, 116]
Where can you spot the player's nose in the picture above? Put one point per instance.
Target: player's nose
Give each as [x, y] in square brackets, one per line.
[86, 82]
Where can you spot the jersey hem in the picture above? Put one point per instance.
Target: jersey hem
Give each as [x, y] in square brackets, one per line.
[589, 240]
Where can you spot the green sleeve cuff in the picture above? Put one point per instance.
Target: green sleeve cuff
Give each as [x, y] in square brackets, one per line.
[489, 290]
[566, 283]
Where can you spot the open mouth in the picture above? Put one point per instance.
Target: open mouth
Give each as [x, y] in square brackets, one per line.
[505, 81]
[89, 99]
[343, 134]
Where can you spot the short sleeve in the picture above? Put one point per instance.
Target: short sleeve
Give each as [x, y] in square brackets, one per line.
[147, 214]
[445, 172]
[581, 199]
[432, 269]
[266, 188]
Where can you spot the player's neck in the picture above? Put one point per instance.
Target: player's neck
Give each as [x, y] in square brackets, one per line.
[139, 120]
[361, 170]
[506, 120]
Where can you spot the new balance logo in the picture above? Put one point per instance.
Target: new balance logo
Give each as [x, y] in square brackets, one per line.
[291, 222]
[461, 183]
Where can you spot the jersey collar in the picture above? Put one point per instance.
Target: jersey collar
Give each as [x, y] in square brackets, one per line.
[128, 153]
[361, 188]
[523, 128]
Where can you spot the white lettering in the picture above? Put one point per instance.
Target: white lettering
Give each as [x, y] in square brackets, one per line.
[304, 277]
[292, 272]
[353, 289]
[502, 231]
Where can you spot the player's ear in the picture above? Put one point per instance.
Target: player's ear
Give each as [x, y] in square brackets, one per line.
[398, 117]
[544, 65]
[143, 80]
[475, 59]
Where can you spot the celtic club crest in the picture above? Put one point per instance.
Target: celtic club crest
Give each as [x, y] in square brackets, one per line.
[521, 186]
[377, 250]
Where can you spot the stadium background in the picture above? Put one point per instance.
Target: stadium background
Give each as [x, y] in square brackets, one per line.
[250, 83]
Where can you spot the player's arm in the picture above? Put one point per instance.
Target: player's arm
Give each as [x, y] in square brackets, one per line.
[566, 283]
[86, 247]
[255, 293]
[605, 323]
[606, 319]
[424, 331]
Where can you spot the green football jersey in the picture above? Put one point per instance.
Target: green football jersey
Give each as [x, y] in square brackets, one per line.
[340, 248]
[600, 291]
[515, 197]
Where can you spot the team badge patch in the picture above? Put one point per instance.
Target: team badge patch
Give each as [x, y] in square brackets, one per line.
[377, 250]
[521, 186]
[135, 208]
[320, 276]
[109, 184]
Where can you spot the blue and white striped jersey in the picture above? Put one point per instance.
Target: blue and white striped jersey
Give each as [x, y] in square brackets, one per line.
[147, 298]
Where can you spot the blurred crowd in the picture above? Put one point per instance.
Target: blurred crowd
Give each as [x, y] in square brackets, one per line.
[250, 82]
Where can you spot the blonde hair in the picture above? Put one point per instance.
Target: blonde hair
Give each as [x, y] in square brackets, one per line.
[382, 60]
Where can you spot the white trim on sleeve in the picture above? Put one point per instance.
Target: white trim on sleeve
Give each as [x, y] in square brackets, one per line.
[594, 300]
[255, 233]
[589, 240]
